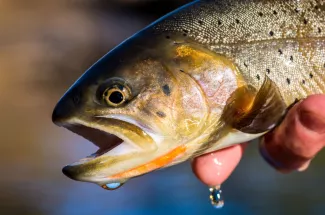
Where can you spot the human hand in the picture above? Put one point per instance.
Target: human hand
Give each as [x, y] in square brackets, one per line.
[289, 147]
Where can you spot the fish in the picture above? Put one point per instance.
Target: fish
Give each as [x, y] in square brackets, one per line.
[207, 76]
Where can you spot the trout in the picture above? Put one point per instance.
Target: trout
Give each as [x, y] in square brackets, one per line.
[207, 76]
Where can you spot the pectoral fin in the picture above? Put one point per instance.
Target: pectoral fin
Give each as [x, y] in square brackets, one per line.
[255, 112]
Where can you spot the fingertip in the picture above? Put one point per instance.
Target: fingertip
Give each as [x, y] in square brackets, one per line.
[214, 168]
[314, 103]
[311, 113]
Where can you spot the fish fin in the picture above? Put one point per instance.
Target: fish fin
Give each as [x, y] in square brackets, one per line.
[255, 112]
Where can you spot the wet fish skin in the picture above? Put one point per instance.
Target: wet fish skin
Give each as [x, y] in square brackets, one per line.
[281, 39]
[209, 75]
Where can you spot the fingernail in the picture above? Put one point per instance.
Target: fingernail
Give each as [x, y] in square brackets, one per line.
[304, 167]
[269, 159]
[312, 121]
[265, 154]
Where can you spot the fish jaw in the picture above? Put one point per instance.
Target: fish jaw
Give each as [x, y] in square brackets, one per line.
[118, 142]
[126, 150]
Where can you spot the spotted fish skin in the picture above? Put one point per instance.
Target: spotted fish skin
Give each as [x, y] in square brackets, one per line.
[284, 40]
[207, 76]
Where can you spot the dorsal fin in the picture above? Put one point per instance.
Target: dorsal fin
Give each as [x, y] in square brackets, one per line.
[255, 112]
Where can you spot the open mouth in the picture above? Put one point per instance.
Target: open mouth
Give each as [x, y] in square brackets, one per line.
[125, 151]
[108, 144]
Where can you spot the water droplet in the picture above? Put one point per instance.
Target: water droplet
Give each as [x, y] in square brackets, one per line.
[216, 197]
[112, 186]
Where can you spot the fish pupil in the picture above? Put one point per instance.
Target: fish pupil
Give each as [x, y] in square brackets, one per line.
[116, 97]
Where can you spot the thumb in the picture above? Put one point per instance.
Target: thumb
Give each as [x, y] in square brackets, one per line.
[294, 143]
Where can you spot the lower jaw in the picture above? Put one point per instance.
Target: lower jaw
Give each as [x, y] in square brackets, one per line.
[157, 163]
[109, 169]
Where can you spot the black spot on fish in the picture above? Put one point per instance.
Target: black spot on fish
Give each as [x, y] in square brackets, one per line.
[303, 82]
[316, 7]
[280, 51]
[268, 71]
[260, 14]
[161, 114]
[186, 31]
[166, 90]
[271, 33]
[167, 37]
[181, 70]
[311, 75]
[184, 35]
[245, 64]
[297, 10]
[258, 77]
[275, 12]
[291, 58]
[305, 21]
[237, 21]
[200, 22]
[219, 22]
[288, 81]
[319, 30]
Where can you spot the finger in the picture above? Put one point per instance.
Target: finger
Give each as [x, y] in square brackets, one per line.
[214, 168]
[293, 144]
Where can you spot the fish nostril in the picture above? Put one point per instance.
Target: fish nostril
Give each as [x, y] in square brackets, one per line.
[76, 99]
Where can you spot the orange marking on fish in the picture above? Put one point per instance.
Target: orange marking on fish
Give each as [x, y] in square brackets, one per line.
[155, 164]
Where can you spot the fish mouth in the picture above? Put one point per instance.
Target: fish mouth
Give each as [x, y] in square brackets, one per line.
[121, 146]
[105, 142]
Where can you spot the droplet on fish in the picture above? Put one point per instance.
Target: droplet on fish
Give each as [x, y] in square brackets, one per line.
[112, 186]
[216, 197]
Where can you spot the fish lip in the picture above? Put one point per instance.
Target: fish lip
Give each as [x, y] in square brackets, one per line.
[74, 171]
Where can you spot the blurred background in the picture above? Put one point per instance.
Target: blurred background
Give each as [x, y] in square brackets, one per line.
[44, 47]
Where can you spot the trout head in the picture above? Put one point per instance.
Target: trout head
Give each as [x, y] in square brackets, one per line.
[138, 106]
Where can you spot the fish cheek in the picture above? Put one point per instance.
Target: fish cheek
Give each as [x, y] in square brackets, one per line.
[189, 108]
[176, 105]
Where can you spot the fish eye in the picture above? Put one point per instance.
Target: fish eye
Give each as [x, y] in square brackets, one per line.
[114, 93]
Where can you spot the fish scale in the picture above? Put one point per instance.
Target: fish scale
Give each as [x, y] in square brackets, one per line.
[214, 22]
[298, 77]
[205, 77]
[284, 39]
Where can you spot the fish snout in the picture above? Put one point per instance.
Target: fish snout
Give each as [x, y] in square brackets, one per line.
[64, 110]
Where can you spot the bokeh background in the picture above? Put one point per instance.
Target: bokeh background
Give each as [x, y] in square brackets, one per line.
[44, 47]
